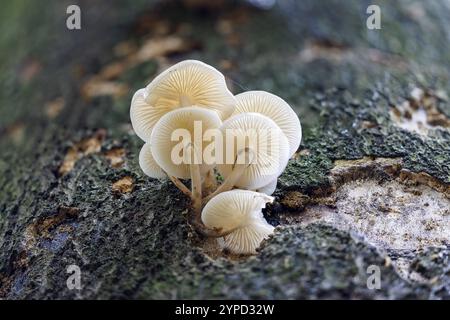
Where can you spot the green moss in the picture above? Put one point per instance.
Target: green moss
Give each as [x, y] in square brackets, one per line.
[343, 136]
[134, 76]
[322, 260]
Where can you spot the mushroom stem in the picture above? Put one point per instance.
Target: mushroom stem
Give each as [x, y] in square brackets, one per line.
[207, 232]
[238, 170]
[180, 185]
[210, 182]
[196, 183]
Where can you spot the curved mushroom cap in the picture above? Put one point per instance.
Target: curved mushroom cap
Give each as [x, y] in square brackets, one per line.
[171, 155]
[185, 84]
[276, 109]
[269, 188]
[148, 163]
[267, 143]
[238, 210]
[142, 115]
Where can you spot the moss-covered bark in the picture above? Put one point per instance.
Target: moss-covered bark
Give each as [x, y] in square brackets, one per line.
[132, 240]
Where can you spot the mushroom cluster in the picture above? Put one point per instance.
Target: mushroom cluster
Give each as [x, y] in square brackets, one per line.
[195, 128]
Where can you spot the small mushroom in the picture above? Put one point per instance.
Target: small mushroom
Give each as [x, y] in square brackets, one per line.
[276, 109]
[261, 138]
[148, 163]
[188, 83]
[170, 149]
[269, 188]
[238, 214]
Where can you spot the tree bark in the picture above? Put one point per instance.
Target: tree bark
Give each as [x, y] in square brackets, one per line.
[370, 185]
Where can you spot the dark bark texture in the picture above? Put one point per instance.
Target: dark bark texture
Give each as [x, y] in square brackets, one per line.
[370, 184]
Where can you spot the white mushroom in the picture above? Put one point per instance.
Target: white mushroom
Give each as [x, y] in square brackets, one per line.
[262, 139]
[276, 109]
[269, 188]
[238, 214]
[185, 84]
[169, 144]
[142, 120]
[148, 163]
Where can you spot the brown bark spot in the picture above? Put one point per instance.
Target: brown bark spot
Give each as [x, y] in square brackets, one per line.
[30, 69]
[96, 88]
[295, 200]
[43, 227]
[15, 132]
[420, 112]
[54, 107]
[81, 149]
[123, 185]
[116, 157]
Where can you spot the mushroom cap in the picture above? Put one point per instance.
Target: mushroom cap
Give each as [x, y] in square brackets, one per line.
[246, 240]
[162, 146]
[270, 146]
[148, 163]
[276, 109]
[238, 210]
[184, 84]
[142, 115]
[269, 188]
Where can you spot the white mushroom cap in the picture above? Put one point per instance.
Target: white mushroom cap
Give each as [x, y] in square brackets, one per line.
[276, 109]
[185, 84]
[269, 188]
[148, 163]
[268, 143]
[238, 210]
[162, 147]
[142, 115]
